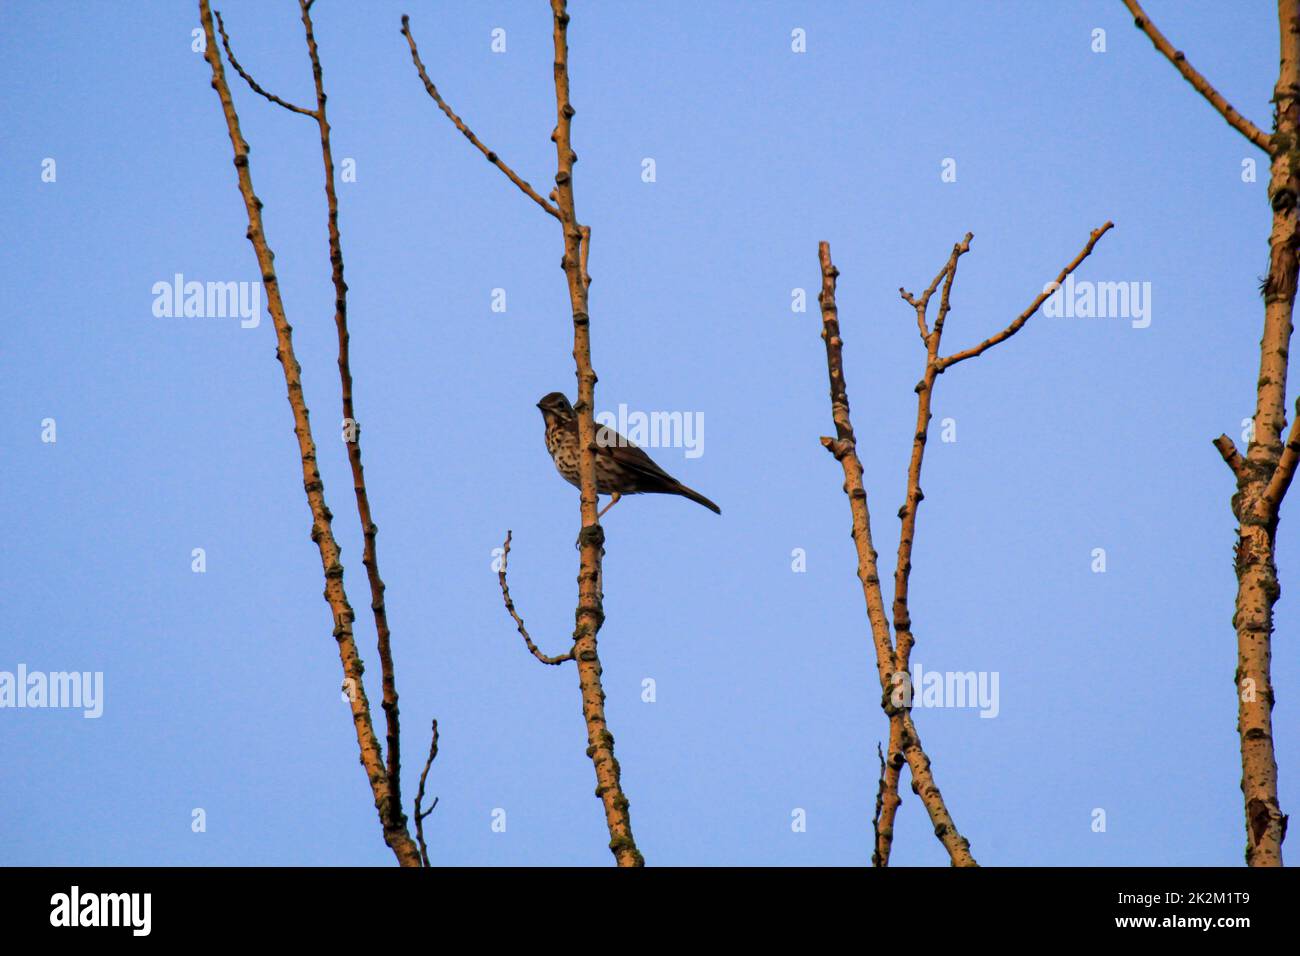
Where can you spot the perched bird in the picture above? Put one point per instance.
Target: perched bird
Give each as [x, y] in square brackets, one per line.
[621, 467]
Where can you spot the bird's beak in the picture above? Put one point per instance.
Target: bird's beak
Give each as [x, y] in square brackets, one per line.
[539, 404]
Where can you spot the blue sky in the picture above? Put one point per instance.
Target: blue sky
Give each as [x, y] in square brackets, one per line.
[221, 688]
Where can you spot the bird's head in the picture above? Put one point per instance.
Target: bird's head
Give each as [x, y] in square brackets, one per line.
[556, 406]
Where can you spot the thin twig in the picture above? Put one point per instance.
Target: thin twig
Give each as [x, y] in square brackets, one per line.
[519, 622]
[419, 793]
[888, 799]
[880, 796]
[1238, 122]
[252, 84]
[491, 155]
[369, 530]
[877, 857]
[921, 303]
[945, 299]
[913, 496]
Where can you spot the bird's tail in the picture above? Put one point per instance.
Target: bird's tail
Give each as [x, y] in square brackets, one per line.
[695, 496]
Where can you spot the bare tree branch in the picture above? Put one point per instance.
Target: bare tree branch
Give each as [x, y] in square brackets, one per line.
[844, 448]
[923, 302]
[887, 796]
[1231, 457]
[352, 441]
[1264, 474]
[590, 613]
[1199, 83]
[1018, 324]
[913, 496]
[352, 430]
[395, 835]
[419, 793]
[934, 367]
[893, 655]
[1286, 466]
[252, 84]
[492, 157]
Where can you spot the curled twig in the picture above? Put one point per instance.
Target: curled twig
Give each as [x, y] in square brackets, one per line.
[519, 622]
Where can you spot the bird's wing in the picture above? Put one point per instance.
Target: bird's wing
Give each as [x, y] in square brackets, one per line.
[628, 455]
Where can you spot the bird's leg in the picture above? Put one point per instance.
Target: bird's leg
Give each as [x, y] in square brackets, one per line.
[613, 500]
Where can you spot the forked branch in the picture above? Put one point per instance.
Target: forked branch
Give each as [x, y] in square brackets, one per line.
[1019, 322]
[844, 448]
[351, 429]
[893, 654]
[396, 834]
